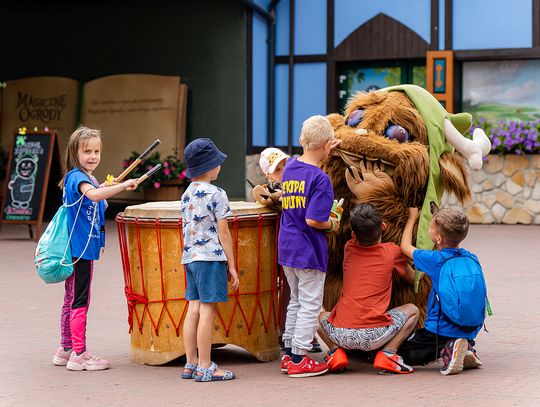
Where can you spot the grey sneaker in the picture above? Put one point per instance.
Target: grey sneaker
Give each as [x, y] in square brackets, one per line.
[471, 360]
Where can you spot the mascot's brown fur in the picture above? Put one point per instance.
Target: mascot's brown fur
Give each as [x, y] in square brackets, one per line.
[389, 175]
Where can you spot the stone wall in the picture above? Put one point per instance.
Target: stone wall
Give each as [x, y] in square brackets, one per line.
[505, 190]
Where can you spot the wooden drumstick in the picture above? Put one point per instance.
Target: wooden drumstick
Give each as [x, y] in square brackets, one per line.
[138, 161]
[148, 174]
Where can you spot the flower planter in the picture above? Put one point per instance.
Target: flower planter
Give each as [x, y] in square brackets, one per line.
[168, 191]
[506, 190]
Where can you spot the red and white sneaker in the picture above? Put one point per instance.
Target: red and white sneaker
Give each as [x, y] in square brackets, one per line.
[392, 363]
[86, 361]
[285, 363]
[307, 367]
[61, 357]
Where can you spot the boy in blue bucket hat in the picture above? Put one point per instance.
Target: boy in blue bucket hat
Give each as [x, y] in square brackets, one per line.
[207, 255]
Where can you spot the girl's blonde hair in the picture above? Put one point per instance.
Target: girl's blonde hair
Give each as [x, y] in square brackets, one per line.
[71, 158]
[316, 131]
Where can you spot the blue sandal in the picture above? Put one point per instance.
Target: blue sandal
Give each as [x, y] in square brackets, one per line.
[207, 374]
[193, 368]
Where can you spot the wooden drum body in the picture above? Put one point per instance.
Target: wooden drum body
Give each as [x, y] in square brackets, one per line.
[151, 246]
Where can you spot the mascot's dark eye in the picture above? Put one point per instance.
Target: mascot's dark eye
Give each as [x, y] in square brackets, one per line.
[397, 132]
[355, 118]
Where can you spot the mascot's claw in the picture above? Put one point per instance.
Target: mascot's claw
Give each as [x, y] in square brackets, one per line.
[362, 184]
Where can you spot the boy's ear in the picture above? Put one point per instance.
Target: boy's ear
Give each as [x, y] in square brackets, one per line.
[433, 207]
[353, 235]
[384, 227]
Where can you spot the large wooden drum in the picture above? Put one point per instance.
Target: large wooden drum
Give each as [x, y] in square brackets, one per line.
[151, 246]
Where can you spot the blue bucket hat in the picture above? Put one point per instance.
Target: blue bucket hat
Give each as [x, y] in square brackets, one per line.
[202, 155]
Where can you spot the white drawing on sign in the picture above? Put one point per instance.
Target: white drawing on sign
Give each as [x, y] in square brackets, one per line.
[23, 182]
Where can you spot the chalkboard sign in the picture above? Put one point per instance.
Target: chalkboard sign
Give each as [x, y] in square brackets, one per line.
[27, 178]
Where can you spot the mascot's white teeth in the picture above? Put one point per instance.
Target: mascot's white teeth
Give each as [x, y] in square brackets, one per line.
[368, 162]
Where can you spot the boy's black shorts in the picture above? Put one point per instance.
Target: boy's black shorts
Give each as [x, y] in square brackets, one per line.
[422, 347]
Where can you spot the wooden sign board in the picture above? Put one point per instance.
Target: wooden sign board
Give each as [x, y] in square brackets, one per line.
[27, 179]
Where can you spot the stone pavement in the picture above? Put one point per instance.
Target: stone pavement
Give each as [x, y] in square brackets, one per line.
[29, 321]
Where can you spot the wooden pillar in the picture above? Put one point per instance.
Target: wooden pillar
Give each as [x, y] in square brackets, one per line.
[440, 77]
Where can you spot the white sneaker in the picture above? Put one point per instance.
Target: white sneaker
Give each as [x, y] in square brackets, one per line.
[86, 361]
[61, 357]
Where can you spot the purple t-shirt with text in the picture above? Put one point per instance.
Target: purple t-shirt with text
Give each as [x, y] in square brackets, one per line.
[307, 194]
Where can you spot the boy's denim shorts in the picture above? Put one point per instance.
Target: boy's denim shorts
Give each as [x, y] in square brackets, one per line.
[206, 281]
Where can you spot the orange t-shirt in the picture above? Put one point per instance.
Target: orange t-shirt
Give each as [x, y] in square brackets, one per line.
[367, 285]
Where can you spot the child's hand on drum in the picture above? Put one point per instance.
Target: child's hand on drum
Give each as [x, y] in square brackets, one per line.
[233, 275]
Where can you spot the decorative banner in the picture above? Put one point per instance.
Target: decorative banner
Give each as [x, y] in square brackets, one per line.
[131, 111]
[440, 77]
[39, 102]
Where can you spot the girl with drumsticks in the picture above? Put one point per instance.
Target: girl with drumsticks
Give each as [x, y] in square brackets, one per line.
[207, 256]
[85, 201]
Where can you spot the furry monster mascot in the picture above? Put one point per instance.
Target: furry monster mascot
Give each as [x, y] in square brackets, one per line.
[397, 151]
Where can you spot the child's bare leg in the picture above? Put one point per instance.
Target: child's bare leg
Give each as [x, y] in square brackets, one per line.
[190, 332]
[412, 314]
[207, 312]
[322, 333]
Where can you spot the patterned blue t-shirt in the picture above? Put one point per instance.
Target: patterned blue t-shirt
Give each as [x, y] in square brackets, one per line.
[203, 204]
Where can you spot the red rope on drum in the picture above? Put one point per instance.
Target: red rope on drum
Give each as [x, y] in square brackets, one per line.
[121, 226]
[275, 284]
[138, 238]
[258, 284]
[186, 304]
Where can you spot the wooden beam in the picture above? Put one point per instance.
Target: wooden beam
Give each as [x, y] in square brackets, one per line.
[536, 23]
[448, 29]
[497, 54]
[331, 94]
[434, 40]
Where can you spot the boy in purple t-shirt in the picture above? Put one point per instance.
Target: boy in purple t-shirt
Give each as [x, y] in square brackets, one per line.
[307, 201]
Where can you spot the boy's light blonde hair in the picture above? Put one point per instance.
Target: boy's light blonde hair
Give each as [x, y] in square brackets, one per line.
[316, 131]
[452, 224]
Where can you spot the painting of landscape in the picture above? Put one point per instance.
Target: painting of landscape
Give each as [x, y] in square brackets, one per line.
[502, 90]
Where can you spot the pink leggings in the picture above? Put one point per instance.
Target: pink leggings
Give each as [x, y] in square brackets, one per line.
[75, 308]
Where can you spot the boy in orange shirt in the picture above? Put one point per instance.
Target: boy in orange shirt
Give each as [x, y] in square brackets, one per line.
[361, 319]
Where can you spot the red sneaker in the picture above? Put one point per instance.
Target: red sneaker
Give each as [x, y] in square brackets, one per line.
[392, 363]
[337, 360]
[306, 368]
[285, 363]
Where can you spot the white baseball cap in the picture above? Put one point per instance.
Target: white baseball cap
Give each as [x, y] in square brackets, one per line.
[270, 158]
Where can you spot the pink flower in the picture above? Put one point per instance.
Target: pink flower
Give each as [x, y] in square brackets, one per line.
[182, 175]
[157, 185]
[166, 171]
[149, 167]
[172, 168]
[166, 164]
[125, 164]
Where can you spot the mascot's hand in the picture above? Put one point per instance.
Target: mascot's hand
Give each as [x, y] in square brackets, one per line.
[365, 182]
[265, 197]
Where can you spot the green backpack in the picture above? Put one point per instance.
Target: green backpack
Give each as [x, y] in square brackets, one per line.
[53, 259]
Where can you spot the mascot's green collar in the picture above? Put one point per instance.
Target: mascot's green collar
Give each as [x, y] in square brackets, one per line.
[433, 114]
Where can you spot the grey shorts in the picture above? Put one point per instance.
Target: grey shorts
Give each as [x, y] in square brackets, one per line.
[365, 339]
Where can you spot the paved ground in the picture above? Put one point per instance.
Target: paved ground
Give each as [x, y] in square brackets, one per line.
[29, 319]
